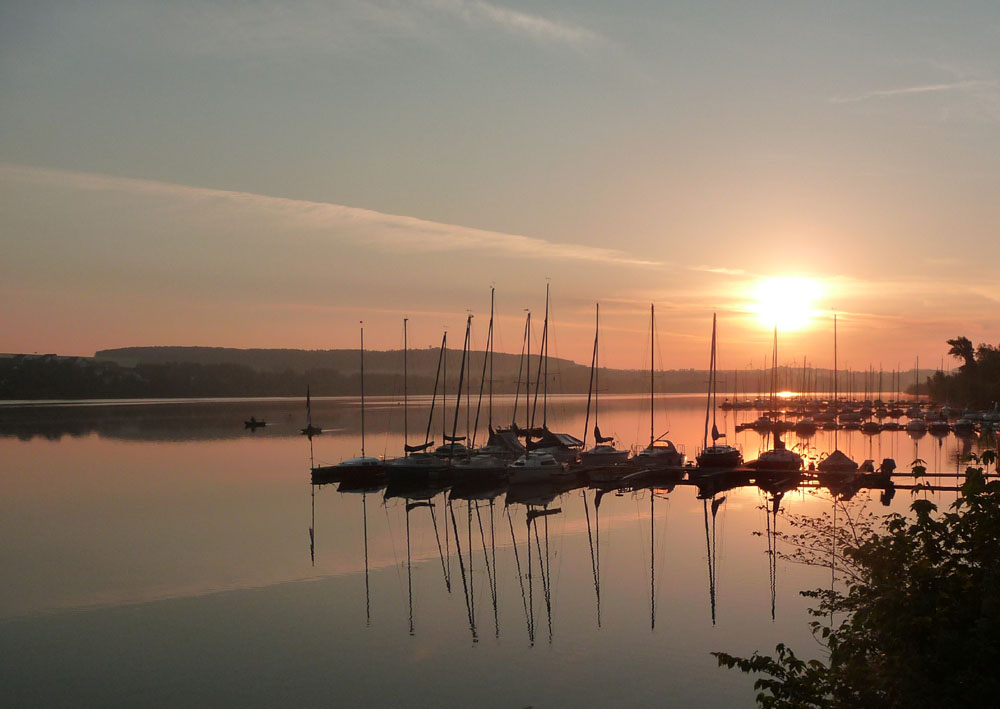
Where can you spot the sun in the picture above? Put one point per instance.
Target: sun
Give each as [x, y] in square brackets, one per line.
[786, 302]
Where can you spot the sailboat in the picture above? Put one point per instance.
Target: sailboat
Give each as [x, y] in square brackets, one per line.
[488, 463]
[453, 446]
[917, 425]
[603, 457]
[543, 459]
[718, 456]
[416, 463]
[660, 453]
[310, 430]
[778, 459]
[837, 467]
[363, 464]
[561, 446]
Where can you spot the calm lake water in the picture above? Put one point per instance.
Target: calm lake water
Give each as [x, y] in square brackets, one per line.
[160, 554]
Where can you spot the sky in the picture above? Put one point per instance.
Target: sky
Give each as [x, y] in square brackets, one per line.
[270, 174]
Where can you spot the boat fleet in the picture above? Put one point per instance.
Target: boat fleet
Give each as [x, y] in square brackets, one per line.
[517, 454]
[512, 452]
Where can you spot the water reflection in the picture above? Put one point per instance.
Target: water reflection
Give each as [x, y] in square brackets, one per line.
[180, 517]
[471, 519]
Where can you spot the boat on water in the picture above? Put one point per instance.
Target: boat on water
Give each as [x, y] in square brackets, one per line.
[416, 463]
[564, 447]
[501, 443]
[661, 452]
[871, 427]
[362, 465]
[718, 456]
[939, 427]
[309, 429]
[488, 462]
[806, 426]
[601, 460]
[779, 458]
[253, 424]
[535, 466]
[836, 469]
[965, 427]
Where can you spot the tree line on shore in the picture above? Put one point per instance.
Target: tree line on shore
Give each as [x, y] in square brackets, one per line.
[168, 372]
[976, 382]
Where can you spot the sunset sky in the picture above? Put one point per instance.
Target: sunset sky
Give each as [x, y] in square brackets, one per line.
[268, 174]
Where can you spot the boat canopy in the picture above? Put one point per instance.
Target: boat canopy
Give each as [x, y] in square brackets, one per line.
[506, 440]
[548, 439]
[837, 462]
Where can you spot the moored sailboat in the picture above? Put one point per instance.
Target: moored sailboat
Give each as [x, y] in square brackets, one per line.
[716, 456]
[416, 463]
[310, 430]
[661, 452]
[779, 458]
[602, 460]
[360, 465]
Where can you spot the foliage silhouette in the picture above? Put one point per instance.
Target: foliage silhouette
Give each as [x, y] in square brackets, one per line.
[921, 615]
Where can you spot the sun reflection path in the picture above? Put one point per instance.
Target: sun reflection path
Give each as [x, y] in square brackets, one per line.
[786, 302]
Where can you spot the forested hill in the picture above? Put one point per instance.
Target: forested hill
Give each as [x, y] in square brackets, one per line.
[143, 372]
[419, 361]
[338, 371]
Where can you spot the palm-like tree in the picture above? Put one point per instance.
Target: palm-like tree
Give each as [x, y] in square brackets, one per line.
[961, 348]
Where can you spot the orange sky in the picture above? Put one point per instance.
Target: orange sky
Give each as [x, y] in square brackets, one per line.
[248, 178]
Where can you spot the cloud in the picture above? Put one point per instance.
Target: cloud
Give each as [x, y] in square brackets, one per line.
[477, 12]
[943, 261]
[968, 85]
[327, 221]
[719, 270]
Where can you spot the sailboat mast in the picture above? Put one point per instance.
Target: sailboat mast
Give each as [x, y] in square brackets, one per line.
[527, 376]
[362, 389]
[444, 389]
[520, 370]
[835, 358]
[487, 362]
[711, 371]
[405, 395]
[492, 291]
[437, 375]
[652, 362]
[468, 386]
[461, 377]
[836, 409]
[590, 391]
[774, 371]
[545, 375]
[597, 365]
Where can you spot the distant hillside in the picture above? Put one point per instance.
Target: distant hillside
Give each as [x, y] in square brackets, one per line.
[165, 372]
[274, 372]
[384, 369]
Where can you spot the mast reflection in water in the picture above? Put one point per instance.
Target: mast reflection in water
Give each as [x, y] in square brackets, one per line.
[174, 538]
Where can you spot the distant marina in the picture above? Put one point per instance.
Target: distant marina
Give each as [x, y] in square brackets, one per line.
[532, 452]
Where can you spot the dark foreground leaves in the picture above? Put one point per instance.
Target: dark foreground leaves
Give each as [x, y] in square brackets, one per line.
[920, 620]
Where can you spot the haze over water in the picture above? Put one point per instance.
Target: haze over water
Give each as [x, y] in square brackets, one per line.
[163, 556]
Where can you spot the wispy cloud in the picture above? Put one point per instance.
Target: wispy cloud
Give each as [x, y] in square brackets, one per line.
[972, 84]
[721, 270]
[943, 261]
[517, 22]
[327, 221]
